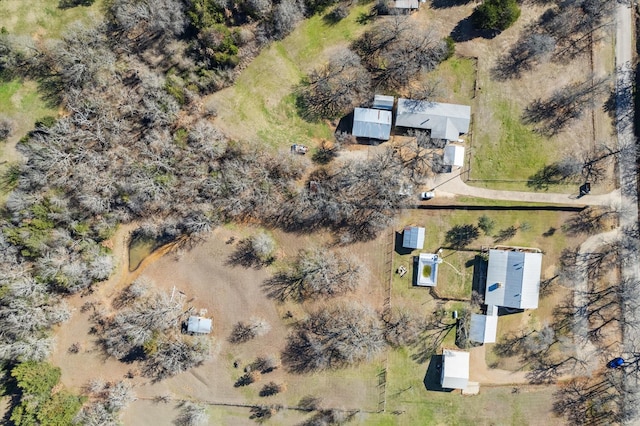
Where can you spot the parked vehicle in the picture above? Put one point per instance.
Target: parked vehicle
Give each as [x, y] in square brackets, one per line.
[427, 195]
[615, 363]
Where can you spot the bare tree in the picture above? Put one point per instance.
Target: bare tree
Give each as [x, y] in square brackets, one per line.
[6, 127]
[333, 90]
[315, 273]
[332, 338]
[245, 331]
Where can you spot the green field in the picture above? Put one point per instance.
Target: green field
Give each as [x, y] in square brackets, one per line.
[261, 104]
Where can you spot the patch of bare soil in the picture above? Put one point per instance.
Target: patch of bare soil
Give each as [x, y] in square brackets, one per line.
[229, 294]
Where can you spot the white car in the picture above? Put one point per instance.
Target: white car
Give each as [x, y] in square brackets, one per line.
[427, 195]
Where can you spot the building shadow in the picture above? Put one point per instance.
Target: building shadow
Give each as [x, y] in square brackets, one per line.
[433, 375]
[398, 244]
[345, 124]
[479, 280]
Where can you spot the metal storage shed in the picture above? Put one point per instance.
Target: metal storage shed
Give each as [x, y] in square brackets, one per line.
[413, 237]
[199, 325]
[383, 102]
[371, 123]
[455, 369]
[454, 155]
[484, 328]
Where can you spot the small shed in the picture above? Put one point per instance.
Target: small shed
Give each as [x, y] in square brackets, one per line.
[406, 4]
[455, 369]
[371, 123]
[484, 328]
[454, 155]
[199, 325]
[413, 237]
[383, 102]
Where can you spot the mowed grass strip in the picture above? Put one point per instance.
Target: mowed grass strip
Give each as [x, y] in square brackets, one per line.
[261, 105]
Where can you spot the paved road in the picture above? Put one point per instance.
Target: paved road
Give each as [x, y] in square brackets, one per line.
[452, 184]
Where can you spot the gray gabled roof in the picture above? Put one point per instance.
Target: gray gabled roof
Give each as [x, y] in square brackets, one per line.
[199, 325]
[446, 121]
[413, 237]
[513, 279]
[371, 123]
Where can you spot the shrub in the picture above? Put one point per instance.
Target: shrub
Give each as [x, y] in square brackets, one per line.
[496, 14]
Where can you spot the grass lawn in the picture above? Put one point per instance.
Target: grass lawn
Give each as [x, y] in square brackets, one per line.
[413, 404]
[455, 79]
[43, 18]
[261, 104]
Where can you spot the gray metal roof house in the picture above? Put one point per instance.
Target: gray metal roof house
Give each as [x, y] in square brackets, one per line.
[445, 121]
[371, 123]
[413, 237]
[513, 278]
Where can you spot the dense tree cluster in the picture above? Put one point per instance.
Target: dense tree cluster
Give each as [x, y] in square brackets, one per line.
[39, 403]
[389, 55]
[147, 329]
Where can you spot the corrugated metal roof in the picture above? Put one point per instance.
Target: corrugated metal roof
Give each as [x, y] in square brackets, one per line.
[383, 101]
[483, 328]
[454, 155]
[199, 325]
[371, 123]
[413, 237]
[406, 4]
[446, 121]
[455, 369]
[513, 279]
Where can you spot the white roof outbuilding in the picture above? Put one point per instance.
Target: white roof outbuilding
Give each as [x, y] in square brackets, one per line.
[484, 328]
[513, 278]
[455, 369]
[413, 237]
[446, 121]
[371, 123]
[453, 155]
[199, 325]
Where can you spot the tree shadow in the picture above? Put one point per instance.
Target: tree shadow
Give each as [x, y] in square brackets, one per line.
[283, 286]
[445, 4]
[245, 256]
[465, 31]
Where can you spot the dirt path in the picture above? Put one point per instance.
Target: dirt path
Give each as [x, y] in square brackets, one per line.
[492, 376]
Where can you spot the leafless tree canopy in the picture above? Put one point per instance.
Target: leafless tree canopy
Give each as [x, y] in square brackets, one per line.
[334, 337]
[315, 273]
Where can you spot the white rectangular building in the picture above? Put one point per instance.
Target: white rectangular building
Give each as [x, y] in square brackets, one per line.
[413, 237]
[455, 369]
